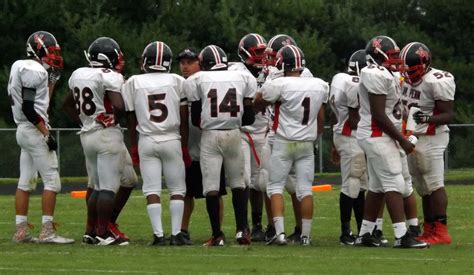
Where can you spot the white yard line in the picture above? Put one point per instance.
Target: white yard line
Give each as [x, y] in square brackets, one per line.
[69, 270]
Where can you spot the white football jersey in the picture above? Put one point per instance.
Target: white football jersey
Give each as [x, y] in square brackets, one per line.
[156, 99]
[261, 122]
[379, 81]
[88, 86]
[29, 74]
[436, 85]
[344, 95]
[297, 102]
[222, 94]
[273, 73]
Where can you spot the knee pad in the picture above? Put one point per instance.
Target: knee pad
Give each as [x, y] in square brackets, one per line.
[29, 185]
[353, 187]
[273, 190]
[358, 165]
[303, 192]
[408, 189]
[52, 183]
[290, 184]
[260, 183]
[422, 161]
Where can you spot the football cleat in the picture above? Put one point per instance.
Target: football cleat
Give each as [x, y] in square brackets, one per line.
[279, 239]
[89, 239]
[409, 241]
[116, 233]
[295, 237]
[105, 240]
[159, 241]
[187, 237]
[368, 240]
[48, 235]
[414, 230]
[379, 235]
[347, 239]
[257, 234]
[269, 232]
[428, 230]
[305, 241]
[22, 233]
[177, 240]
[242, 237]
[214, 241]
[439, 235]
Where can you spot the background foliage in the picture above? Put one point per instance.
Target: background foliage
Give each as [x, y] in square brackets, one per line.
[328, 31]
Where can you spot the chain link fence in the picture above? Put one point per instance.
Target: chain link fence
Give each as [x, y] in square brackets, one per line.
[460, 152]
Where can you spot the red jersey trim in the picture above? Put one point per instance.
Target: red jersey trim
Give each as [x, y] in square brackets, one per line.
[346, 129]
[276, 117]
[376, 132]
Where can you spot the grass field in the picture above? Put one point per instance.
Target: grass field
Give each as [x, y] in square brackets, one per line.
[324, 256]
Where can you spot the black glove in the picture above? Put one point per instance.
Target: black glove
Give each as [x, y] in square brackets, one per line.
[51, 142]
[420, 117]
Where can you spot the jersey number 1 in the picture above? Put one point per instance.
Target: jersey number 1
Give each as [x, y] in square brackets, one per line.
[228, 104]
[305, 104]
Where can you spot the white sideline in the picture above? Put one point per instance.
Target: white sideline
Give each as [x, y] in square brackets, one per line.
[74, 270]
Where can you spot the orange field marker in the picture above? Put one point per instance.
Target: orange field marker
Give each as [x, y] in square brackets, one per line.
[322, 188]
[78, 194]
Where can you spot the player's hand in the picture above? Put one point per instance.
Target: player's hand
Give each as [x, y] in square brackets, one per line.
[407, 146]
[134, 155]
[335, 158]
[186, 157]
[420, 117]
[51, 142]
[54, 76]
[107, 120]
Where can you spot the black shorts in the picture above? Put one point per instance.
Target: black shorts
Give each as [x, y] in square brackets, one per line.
[194, 181]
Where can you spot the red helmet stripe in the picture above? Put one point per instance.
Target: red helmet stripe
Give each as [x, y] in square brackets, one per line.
[297, 55]
[216, 54]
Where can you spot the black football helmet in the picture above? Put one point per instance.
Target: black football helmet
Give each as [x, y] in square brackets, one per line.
[157, 56]
[251, 49]
[43, 46]
[383, 50]
[290, 58]
[357, 61]
[274, 45]
[416, 61]
[213, 58]
[105, 52]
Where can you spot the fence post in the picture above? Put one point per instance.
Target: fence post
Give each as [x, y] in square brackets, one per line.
[58, 151]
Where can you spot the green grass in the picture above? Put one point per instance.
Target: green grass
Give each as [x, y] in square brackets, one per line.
[325, 256]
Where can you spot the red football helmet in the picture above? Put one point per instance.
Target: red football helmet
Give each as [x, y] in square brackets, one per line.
[44, 47]
[416, 61]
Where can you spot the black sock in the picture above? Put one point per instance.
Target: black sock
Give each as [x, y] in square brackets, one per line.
[212, 206]
[441, 218]
[345, 209]
[92, 211]
[105, 206]
[240, 201]
[257, 218]
[358, 206]
[121, 199]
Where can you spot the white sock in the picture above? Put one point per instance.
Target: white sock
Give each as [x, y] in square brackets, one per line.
[379, 224]
[400, 229]
[367, 227]
[46, 219]
[306, 227]
[412, 222]
[154, 212]
[176, 210]
[279, 225]
[20, 218]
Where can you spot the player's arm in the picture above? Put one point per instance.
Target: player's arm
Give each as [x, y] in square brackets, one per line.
[320, 120]
[28, 108]
[248, 117]
[132, 132]
[377, 109]
[116, 99]
[69, 107]
[259, 103]
[445, 115]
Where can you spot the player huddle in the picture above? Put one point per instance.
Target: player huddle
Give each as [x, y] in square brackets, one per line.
[250, 126]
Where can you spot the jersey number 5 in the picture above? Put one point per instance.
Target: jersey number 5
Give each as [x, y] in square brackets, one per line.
[154, 104]
[88, 106]
[228, 104]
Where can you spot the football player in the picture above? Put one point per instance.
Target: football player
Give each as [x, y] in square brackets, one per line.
[379, 135]
[251, 49]
[432, 91]
[344, 103]
[95, 93]
[188, 65]
[161, 109]
[29, 89]
[298, 104]
[221, 102]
